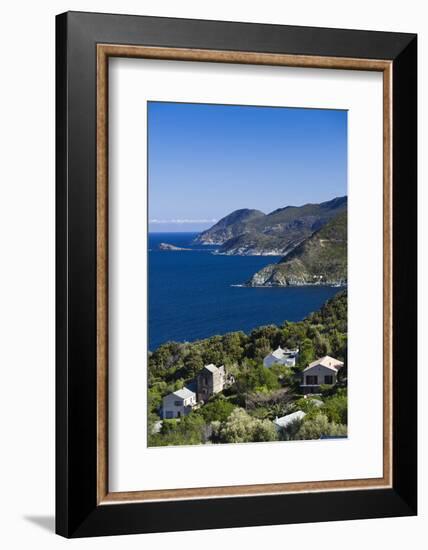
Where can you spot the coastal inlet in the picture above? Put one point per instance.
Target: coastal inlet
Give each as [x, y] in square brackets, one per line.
[194, 293]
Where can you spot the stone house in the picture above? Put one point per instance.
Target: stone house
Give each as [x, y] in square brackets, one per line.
[178, 404]
[209, 381]
[281, 356]
[321, 371]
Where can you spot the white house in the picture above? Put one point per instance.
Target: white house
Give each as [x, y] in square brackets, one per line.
[281, 356]
[321, 371]
[288, 419]
[179, 403]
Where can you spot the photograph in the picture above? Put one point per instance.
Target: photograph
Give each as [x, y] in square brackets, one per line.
[210, 313]
[193, 352]
[247, 274]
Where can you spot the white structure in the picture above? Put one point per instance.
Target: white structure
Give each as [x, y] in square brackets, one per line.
[321, 371]
[285, 421]
[179, 403]
[157, 426]
[281, 356]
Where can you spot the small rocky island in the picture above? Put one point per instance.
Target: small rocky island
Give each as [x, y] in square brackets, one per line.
[171, 247]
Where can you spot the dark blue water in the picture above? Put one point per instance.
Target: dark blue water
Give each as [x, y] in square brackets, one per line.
[191, 294]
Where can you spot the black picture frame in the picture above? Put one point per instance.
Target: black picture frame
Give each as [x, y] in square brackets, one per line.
[77, 511]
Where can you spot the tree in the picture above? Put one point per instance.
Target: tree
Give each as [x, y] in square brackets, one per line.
[306, 353]
[233, 346]
[240, 427]
[155, 394]
[166, 356]
[219, 409]
[338, 343]
[257, 379]
[307, 405]
[193, 363]
[336, 408]
[282, 372]
[319, 426]
[321, 345]
[189, 430]
[213, 351]
[261, 348]
[264, 430]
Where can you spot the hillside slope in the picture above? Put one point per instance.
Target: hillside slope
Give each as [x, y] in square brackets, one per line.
[320, 259]
[229, 227]
[250, 232]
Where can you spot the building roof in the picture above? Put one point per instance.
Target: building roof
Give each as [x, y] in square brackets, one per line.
[327, 362]
[212, 368]
[185, 393]
[286, 420]
[280, 353]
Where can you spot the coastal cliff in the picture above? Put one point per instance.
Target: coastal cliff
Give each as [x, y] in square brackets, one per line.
[229, 227]
[320, 259]
[248, 232]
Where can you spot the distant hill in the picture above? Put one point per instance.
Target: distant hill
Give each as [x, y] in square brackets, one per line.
[319, 259]
[251, 232]
[229, 227]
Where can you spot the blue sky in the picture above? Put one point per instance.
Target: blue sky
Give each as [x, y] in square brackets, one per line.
[207, 160]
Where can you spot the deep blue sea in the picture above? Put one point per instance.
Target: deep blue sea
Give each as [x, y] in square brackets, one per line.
[191, 293]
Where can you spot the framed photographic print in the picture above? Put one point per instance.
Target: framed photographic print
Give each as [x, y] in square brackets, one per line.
[236, 274]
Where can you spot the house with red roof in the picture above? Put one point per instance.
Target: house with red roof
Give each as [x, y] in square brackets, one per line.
[322, 371]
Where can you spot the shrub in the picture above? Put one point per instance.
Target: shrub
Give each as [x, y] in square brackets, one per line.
[307, 405]
[258, 379]
[240, 427]
[336, 408]
[189, 430]
[319, 426]
[218, 409]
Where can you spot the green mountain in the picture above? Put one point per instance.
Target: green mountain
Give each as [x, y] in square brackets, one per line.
[320, 259]
[250, 232]
[229, 227]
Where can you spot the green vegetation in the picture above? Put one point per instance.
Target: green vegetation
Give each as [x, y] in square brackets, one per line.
[190, 430]
[245, 410]
[319, 426]
[254, 377]
[240, 427]
[336, 407]
[217, 410]
[320, 259]
[246, 232]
